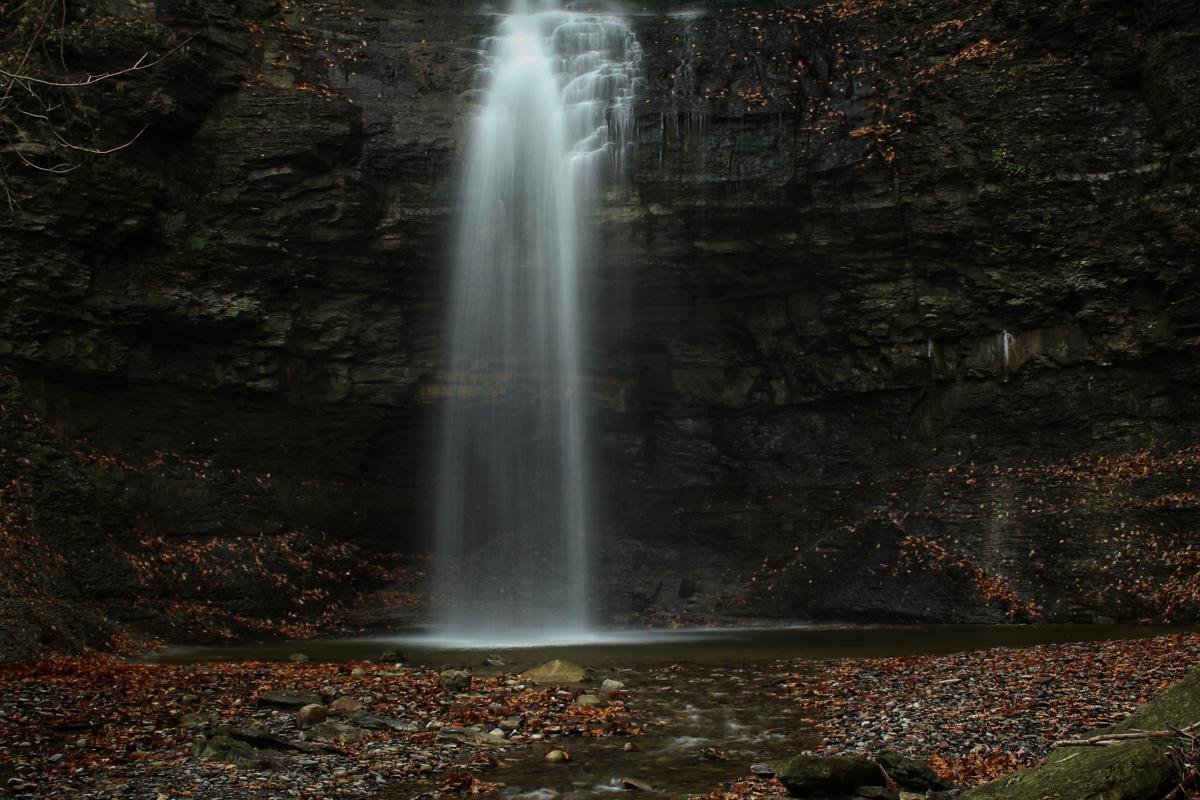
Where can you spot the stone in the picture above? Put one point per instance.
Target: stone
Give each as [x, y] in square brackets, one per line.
[333, 731]
[391, 657]
[299, 658]
[555, 671]
[877, 793]
[808, 775]
[910, 773]
[609, 685]
[557, 756]
[260, 737]
[493, 660]
[587, 700]
[229, 750]
[454, 680]
[634, 785]
[478, 737]
[374, 722]
[288, 699]
[345, 706]
[358, 672]
[510, 723]
[201, 719]
[311, 715]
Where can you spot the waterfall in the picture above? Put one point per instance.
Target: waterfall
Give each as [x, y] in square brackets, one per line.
[514, 519]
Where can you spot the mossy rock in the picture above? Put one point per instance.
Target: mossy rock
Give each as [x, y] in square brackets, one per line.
[811, 775]
[910, 773]
[1132, 770]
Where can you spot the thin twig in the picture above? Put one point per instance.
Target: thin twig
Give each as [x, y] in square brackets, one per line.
[98, 152]
[137, 66]
[1104, 740]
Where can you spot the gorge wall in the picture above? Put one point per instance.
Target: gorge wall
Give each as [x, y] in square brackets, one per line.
[896, 318]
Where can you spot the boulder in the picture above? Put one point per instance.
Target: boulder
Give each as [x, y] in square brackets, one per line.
[812, 775]
[587, 700]
[555, 672]
[610, 685]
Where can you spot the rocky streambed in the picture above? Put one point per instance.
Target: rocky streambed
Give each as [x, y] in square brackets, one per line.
[493, 725]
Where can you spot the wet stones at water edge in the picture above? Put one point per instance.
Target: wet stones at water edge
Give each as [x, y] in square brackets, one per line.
[610, 686]
[454, 680]
[888, 775]
[391, 657]
[555, 671]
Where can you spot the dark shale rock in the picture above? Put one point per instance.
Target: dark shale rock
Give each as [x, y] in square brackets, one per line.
[798, 315]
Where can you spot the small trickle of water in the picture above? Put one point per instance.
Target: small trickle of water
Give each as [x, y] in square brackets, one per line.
[513, 508]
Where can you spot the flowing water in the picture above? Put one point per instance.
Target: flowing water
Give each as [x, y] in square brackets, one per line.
[513, 514]
[713, 701]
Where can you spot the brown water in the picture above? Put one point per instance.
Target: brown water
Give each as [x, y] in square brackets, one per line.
[715, 702]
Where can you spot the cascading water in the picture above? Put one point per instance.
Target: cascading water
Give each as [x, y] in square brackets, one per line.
[511, 562]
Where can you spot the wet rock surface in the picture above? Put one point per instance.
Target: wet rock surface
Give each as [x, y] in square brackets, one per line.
[866, 251]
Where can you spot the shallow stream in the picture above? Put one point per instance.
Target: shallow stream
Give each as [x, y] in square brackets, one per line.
[715, 702]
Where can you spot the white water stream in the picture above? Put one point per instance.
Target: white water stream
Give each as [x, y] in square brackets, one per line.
[514, 516]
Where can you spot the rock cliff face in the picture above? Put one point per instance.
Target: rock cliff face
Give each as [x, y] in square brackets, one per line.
[896, 317]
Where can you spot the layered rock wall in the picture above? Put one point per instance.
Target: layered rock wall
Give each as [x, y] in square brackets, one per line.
[895, 316]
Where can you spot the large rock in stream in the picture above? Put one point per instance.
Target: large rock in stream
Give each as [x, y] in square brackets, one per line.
[1131, 770]
[814, 776]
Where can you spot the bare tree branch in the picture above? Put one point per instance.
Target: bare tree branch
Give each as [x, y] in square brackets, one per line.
[140, 64]
[1104, 740]
[94, 151]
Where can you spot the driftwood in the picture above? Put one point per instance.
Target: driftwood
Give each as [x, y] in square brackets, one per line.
[1104, 740]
